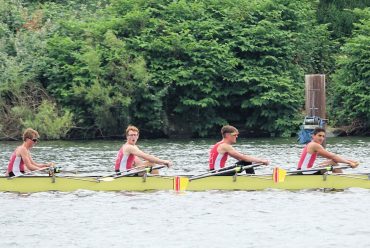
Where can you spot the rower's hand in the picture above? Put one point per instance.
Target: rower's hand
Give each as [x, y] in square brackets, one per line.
[167, 163]
[265, 161]
[329, 162]
[50, 164]
[353, 163]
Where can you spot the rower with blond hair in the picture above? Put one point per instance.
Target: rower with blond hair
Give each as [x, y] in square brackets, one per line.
[21, 160]
[222, 149]
[130, 156]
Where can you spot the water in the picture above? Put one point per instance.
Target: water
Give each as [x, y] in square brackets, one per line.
[192, 219]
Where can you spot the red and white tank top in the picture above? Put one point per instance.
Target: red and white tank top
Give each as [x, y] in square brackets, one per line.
[217, 160]
[16, 164]
[307, 159]
[124, 161]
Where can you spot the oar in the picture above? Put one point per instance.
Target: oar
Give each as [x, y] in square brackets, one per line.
[130, 173]
[92, 180]
[228, 167]
[278, 175]
[326, 168]
[181, 183]
[29, 172]
[120, 172]
[236, 169]
[61, 170]
[219, 170]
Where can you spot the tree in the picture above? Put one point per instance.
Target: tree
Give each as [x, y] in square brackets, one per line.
[351, 82]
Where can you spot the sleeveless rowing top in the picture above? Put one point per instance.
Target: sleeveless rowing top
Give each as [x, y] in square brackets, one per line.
[123, 161]
[216, 160]
[16, 164]
[307, 159]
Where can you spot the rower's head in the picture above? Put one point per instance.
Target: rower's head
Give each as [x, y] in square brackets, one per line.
[30, 137]
[229, 134]
[132, 134]
[318, 135]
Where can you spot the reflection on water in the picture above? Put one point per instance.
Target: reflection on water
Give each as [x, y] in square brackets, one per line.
[192, 219]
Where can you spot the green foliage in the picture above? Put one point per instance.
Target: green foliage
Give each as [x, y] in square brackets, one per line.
[95, 78]
[206, 62]
[351, 86]
[23, 100]
[46, 120]
[338, 14]
[169, 67]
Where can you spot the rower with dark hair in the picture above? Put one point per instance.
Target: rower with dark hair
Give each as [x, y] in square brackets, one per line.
[314, 148]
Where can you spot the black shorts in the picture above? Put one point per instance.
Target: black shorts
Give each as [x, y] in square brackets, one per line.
[120, 173]
[11, 174]
[244, 163]
[320, 172]
[232, 173]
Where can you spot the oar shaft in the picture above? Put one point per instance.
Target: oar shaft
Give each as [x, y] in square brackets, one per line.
[146, 170]
[235, 169]
[79, 179]
[326, 168]
[133, 169]
[231, 167]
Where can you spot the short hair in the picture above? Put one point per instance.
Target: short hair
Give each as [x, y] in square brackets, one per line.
[131, 128]
[228, 129]
[30, 133]
[318, 130]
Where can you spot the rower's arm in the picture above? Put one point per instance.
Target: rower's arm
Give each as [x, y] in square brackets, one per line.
[142, 164]
[336, 158]
[137, 152]
[39, 166]
[240, 156]
[28, 162]
[139, 164]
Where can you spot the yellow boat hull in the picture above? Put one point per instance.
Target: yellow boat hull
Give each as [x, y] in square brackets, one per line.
[29, 184]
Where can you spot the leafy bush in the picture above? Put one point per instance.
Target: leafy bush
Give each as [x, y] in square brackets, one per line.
[47, 121]
[170, 67]
[351, 82]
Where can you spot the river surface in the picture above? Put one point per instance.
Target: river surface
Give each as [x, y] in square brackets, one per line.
[269, 218]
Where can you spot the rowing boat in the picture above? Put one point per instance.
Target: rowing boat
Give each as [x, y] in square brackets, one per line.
[28, 184]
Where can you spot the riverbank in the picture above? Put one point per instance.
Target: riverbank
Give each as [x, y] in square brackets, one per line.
[331, 132]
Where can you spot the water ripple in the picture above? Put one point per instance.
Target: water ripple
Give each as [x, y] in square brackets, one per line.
[307, 218]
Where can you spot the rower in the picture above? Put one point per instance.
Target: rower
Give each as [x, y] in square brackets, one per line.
[21, 160]
[222, 149]
[130, 156]
[314, 148]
